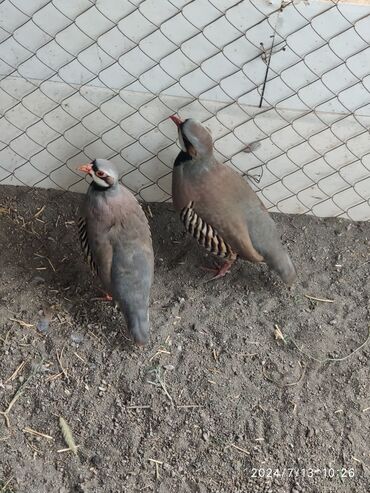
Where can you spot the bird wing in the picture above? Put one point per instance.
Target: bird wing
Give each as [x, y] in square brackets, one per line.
[219, 197]
[82, 233]
[224, 200]
[132, 272]
[204, 233]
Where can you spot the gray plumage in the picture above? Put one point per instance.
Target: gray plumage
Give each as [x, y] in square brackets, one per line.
[116, 239]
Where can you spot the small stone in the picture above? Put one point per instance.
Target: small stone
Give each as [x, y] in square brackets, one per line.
[76, 337]
[38, 280]
[96, 460]
[43, 325]
[309, 433]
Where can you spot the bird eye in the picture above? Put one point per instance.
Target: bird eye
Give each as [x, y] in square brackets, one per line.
[100, 174]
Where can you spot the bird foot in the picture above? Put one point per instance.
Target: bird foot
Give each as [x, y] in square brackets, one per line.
[219, 270]
[106, 297]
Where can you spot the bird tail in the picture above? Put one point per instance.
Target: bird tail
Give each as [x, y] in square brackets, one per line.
[281, 262]
[138, 325]
[266, 240]
[131, 281]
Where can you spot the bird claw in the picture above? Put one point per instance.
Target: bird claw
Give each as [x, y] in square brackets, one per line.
[219, 271]
[106, 297]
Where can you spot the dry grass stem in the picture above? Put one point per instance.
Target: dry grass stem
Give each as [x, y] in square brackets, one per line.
[158, 353]
[278, 334]
[59, 358]
[74, 450]
[3, 488]
[37, 433]
[323, 300]
[54, 377]
[157, 464]
[160, 382]
[46, 258]
[79, 357]
[13, 376]
[325, 360]
[67, 435]
[239, 449]
[138, 407]
[188, 406]
[282, 385]
[18, 393]
[39, 212]
[22, 323]
[215, 355]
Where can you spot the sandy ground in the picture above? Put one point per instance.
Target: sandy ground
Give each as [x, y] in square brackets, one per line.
[215, 402]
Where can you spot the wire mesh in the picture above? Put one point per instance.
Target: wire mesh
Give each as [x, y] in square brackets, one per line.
[283, 86]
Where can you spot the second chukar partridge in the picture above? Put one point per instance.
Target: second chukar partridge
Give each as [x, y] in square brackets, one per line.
[220, 209]
[115, 237]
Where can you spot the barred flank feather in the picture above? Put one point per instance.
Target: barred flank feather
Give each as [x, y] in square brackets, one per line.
[204, 233]
[82, 232]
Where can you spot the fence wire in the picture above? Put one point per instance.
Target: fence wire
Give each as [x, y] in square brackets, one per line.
[283, 86]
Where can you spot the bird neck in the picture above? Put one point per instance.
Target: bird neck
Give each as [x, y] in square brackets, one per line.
[188, 161]
[98, 188]
[182, 158]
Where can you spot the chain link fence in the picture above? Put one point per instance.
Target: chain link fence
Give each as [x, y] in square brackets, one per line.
[283, 86]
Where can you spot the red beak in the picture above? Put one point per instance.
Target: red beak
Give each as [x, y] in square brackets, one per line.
[86, 168]
[176, 120]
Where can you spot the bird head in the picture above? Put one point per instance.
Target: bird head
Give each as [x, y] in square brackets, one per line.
[102, 171]
[195, 139]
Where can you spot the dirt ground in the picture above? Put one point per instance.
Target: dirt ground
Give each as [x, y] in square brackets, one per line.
[215, 402]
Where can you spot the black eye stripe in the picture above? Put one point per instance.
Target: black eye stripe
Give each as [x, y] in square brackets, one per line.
[186, 140]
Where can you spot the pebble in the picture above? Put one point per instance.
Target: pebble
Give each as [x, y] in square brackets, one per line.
[205, 436]
[43, 325]
[38, 280]
[76, 337]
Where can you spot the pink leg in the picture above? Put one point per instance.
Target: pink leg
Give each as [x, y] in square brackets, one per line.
[105, 297]
[219, 271]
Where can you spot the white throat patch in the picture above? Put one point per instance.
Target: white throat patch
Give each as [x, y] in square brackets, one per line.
[101, 183]
[181, 142]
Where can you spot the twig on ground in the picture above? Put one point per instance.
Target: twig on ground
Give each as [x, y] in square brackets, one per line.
[157, 464]
[160, 382]
[39, 212]
[22, 323]
[282, 385]
[188, 406]
[239, 449]
[325, 360]
[323, 300]
[15, 373]
[3, 488]
[278, 334]
[138, 407]
[59, 358]
[18, 393]
[37, 433]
